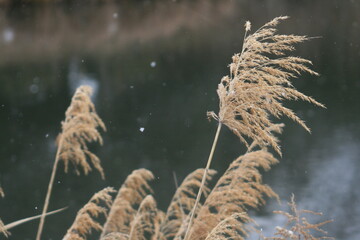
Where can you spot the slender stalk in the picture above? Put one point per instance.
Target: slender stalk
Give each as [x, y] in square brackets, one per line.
[48, 194]
[203, 181]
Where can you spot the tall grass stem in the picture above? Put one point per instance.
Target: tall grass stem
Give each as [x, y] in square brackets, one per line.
[48, 194]
[203, 180]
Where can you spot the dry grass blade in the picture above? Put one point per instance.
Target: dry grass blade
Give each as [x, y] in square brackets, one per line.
[297, 227]
[258, 83]
[146, 224]
[85, 219]
[183, 202]
[3, 229]
[127, 201]
[80, 126]
[238, 189]
[232, 227]
[28, 219]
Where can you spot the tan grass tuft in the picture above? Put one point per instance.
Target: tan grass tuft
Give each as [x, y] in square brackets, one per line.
[183, 202]
[258, 83]
[237, 190]
[297, 226]
[3, 229]
[128, 199]
[146, 224]
[232, 227]
[85, 219]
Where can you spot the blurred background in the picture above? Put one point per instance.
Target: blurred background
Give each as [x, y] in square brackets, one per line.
[154, 67]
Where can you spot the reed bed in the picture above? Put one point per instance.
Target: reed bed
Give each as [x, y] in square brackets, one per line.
[251, 97]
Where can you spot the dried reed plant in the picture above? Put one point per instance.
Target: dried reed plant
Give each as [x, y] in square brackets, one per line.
[297, 226]
[130, 195]
[252, 94]
[232, 227]
[258, 83]
[80, 127]
[146, 224]
[238, 189]
[183, 202]
[84, 222]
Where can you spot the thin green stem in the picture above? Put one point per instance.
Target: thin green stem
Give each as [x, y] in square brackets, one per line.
[203, 181]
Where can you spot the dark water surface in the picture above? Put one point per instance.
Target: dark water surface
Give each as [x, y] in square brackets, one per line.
[155, 68]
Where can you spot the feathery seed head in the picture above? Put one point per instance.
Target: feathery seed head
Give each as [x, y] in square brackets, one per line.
[80, 127]
[176, 218]
[85, 219]
[239, 189]
[297, 227]
[259, 82]
[232, 227]
[130, 195]
[146, 223]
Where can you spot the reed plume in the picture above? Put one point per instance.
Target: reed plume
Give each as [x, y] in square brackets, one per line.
[232, 227]
[84, 222]
[182, 202]
[253, 92]
[239, 189]
[129, 197]
[80, 127]
[146, 224]
[258, 83]
[297, 227]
